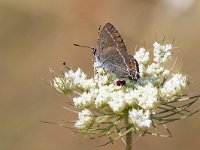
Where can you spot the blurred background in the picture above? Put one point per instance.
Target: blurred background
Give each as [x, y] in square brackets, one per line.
[38, 34]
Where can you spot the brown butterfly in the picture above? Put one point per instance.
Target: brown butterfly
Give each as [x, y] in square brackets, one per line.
[112, 55]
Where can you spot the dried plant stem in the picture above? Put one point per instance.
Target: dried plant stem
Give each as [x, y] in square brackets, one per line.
[128, 135]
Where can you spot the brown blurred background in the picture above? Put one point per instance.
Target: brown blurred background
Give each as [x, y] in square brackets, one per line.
[38, 34]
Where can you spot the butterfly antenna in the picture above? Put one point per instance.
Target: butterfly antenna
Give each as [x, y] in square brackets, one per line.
[83, 46]
[93, 49]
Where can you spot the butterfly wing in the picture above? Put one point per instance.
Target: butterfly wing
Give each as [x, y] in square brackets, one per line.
[134, 68]
[112, 52]
[109, 37]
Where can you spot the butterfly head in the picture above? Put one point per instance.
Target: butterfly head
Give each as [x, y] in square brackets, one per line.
[94, 51]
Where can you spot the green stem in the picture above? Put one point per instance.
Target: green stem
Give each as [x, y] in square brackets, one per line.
[128, 136]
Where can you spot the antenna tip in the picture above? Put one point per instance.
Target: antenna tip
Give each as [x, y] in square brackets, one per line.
[75, 44]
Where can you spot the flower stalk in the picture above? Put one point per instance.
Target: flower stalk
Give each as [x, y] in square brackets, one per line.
[128, 135]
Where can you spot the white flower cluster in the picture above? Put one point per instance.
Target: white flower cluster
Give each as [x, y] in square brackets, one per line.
[118, 99]
[146, 96]
[142, 57]
[154, 69]
[136, 99]
[140, 118]
[60, 84]
[175, 86]
[84, 101]
[72, 81]
[85, 119]
[79, 79]
[162, 53]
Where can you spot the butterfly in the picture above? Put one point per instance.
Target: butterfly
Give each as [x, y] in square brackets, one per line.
[112, 55]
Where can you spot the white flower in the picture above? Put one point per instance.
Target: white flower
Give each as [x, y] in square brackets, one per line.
[131, 97]
[144, 96]
[104, 94]
[142, 56]
[77, 76]
[85, 100]
[87, 84]
[84, 113]
[175, 86]
[63, 85]
[79, 80]
[85, 119]
[142, 69]
[154, 69]
[140, 118]
[147, 96]
[102, 80]
[102, 99]
[117, 101]
[162, 53]
[166, 73]
[58, 84]
[102, 77]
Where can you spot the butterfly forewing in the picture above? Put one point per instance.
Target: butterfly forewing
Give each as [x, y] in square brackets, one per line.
[112, 53]
[111, 48]
[109, 37]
